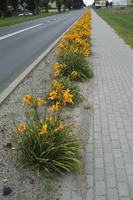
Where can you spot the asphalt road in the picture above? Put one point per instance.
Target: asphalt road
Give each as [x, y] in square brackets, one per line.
[21, 44]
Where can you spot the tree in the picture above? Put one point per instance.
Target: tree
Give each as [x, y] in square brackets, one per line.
[37, 3]
[3, 7]
[32, 5]
[64, 4]
[58, 4]
[77, 4]
[110, 4]
[69, 4]
[45, 3]
[107, 3]
[14, 4]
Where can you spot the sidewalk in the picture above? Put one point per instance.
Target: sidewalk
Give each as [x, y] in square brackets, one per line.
[110, 146]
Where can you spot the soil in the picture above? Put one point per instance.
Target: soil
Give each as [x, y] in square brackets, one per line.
[25, 183]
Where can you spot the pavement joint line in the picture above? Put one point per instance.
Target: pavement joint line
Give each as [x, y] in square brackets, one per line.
[31, 67]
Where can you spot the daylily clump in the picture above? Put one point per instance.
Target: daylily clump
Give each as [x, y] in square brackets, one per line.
[61, 96]
[48, 143]
[63, 92]
[72, 50]
[77, 39]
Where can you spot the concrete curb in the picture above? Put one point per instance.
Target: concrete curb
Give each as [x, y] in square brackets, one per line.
[31, 67]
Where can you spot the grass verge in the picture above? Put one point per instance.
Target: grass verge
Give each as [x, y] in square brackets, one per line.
[121, 20]
[16, 20]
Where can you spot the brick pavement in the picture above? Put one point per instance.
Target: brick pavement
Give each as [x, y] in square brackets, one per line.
[110, 146]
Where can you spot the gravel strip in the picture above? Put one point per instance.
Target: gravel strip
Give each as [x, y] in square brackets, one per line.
[25, 183]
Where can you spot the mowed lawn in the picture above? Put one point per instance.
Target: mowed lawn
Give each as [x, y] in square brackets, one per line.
[16, 20]
[121, 20]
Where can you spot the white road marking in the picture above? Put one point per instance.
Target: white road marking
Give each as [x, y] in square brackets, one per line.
[17, 32]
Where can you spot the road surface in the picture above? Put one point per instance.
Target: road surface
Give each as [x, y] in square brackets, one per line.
[21, 44]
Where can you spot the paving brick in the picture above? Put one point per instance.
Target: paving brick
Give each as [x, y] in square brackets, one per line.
[115, 144]
[89, 148]
[89, 168]
[121, 175]
[125, 148]
[123, 189]
[123, 139]
[109, 168]
[90, 194]
[100, 188]
[111, 181]
[90, 180]
[112, 194]
[98, 152]
[106, 139]
[129, 169]
[98, 143]
[117, 153]
[107, 147]
[130, 135]
[99, 163]
[97, 135]
[108, 157]
[114, 136]
[130, 180]
[100, 198]
[99, 174]
[128, 158]
[119, 163]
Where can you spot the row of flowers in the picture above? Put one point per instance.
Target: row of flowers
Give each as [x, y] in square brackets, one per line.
[45, 141]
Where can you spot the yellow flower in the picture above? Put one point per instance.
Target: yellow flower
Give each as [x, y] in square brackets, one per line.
[60, 126]
[55, 107]
[74, 73]
[60, 46]
[56, 66]
[53, 95]
[57, 85]
[78, 40]
[75, 50]
[51, 117]
[43, 130]
[67, 97]
[63, 65]
[28, 99]
[47, 142]
[40, 101]
[22, 127]
[85, 53]
[56, 73]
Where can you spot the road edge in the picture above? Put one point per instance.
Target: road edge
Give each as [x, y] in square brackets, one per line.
[31, 67]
